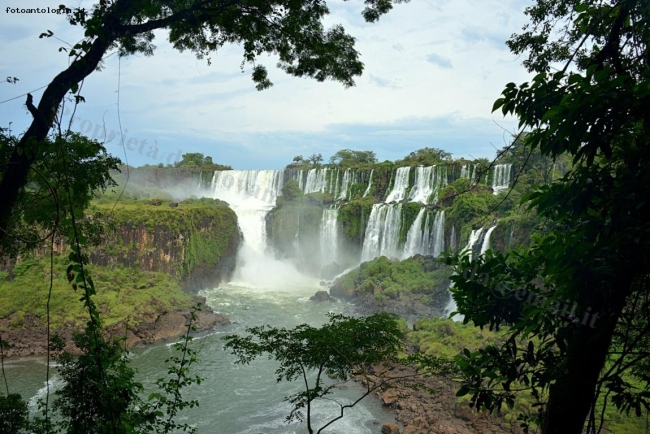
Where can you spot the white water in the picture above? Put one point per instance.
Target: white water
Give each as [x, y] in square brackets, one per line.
[398, 192]
[439, 234]
[365, 193]
[316, 181]
[382, 232]
[428, 181]
[415, 237]
[329, 236]
[252, 194]
[501, 177]
[347, 181]
[427, 238]
[486, 240]
[472, 244]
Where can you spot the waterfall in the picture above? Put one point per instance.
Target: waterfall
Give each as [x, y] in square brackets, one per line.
[427, 238]
[438, 234]
[468, 171]
[399, 187]
[476, 238]
[347, 181]
[428, 181]
[297, 175]
[382, 232]
[486, 240]
[365, 193]
[422, 187]
[415, 238]
[316, 181]
[329, 236]
[251, 195]
[501, 177]
[452, 240]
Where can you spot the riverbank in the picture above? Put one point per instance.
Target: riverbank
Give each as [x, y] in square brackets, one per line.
[428, 404]
[156, 326]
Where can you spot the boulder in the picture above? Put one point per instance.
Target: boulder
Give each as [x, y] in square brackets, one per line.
[320, 296]
[389, 428]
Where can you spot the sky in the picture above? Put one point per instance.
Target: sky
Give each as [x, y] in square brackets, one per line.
[433, 69]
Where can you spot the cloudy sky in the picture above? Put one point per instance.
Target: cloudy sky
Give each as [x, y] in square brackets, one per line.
[433, 69]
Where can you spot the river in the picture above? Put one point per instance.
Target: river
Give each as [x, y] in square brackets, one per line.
[235, 399]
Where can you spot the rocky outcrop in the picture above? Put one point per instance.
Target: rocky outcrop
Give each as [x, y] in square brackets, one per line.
[30, 340]
[195, 242]
[413, 288]
[426, 405]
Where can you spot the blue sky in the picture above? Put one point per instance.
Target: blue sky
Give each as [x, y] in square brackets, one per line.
[432, 72]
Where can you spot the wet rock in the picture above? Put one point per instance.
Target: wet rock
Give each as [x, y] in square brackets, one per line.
[389, 428]
[320, 296]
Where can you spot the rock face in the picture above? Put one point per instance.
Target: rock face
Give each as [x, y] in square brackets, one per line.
[195, 242]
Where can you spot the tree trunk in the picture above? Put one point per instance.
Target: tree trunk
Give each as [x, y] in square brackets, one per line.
[572, 394]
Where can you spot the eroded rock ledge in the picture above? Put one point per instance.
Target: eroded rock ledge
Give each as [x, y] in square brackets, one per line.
[31, 339]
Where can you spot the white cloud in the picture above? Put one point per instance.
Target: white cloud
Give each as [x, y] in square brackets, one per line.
[178, 102]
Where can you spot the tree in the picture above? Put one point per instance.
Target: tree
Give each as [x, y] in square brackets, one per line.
[316, 159]
[425, 157]
[291, 30]
[343, 348]
[348, 157]
[576, 301]
[62, 182]
[195, 159]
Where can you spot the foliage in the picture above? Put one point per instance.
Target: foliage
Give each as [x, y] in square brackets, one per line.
[291, 190]
[315, 159]
[100, 382]
[354, 216]
[342, 348]
[594, 256]
[40, 208]
[198, 160]
[14, 414]
[424, 157]
[350, 158]
[209, 234]
[418, 275]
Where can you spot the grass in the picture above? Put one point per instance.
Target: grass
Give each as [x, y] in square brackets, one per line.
[123, 294]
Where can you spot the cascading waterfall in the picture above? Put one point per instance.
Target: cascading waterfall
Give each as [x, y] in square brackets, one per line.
[251, 195]
[316, 181]
[486, 240]
[439, 234]
[427, 238]
[468, 171]
[452, 240]
[501, 177]
[422, 187]
[415, 237]
[399, 187]
[365, 193]
[329, 236]
[347, 181]
[428, 181]
[478, 240]
[382, 232]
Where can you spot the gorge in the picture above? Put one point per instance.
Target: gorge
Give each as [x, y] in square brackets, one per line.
[298, 229]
